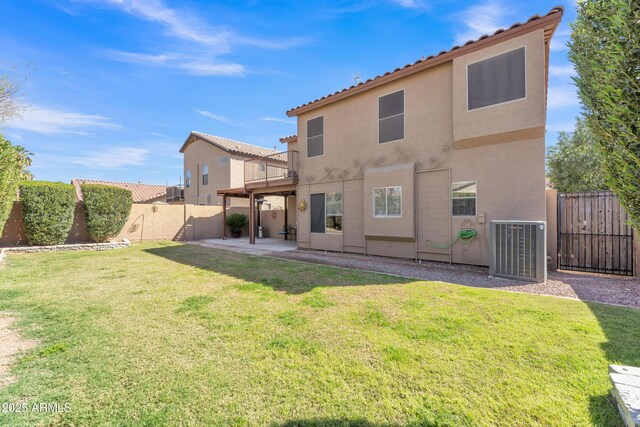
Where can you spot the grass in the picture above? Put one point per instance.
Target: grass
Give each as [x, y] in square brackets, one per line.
[168, 334]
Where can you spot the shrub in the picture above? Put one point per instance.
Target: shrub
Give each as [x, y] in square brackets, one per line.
[107, 210]
[236, 221]
[47, 209]
[605, 51]
[13, 163]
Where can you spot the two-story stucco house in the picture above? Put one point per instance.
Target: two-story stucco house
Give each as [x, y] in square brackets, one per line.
[399, 164]
[213, 162]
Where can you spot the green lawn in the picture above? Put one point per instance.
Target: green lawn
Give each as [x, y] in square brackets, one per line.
[167, 334]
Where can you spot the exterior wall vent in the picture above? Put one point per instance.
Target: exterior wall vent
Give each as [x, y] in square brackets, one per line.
[519, 250]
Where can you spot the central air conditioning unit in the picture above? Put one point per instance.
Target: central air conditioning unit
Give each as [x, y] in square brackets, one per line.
[519, 250]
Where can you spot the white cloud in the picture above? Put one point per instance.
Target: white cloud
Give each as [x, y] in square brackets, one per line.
[204, 39]
[562, 96]
[562, 70]
[484, 18]
[204, 68]
[184, 62]
[50, 121]
[112, 158]
[180, 24]
[410, 4]
[213, 116]
[275, 119]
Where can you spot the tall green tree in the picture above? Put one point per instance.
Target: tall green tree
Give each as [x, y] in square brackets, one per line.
[575, 162]
[14, 161]
[605, 50]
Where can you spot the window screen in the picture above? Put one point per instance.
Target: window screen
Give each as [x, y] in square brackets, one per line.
[498, 79]
[463, 197]
[187, 178]
[315, 131]
[391, 117]
[333, 206]
[205, 174]
[387, 202]
[317, 213]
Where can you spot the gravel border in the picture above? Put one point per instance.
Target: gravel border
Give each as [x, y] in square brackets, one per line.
[588, 287]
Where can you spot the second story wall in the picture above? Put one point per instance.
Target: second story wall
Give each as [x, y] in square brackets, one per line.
[519, 118]
[196, 156]
[351, 127]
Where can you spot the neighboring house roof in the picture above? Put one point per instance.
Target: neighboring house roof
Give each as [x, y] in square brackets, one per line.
[548, 22]
[228, 145]
[142, 193]
[290, 138]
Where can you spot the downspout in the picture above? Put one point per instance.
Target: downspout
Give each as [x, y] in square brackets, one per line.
[415, 210]
[197, 183]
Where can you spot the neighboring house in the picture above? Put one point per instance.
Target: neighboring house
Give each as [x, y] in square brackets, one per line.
[142, 193]
[212, 163]
[399, 164]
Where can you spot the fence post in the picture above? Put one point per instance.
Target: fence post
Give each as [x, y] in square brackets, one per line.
[552, 228]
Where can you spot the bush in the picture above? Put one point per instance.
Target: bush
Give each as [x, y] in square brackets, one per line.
[236, 221]
[47, 209]
[107, 210]
[13, 162]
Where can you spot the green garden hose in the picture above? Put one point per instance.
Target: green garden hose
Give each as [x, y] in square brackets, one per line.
[465, 235]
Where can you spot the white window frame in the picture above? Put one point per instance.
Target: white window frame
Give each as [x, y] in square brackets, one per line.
[453, 184]
[404, 116]
[386, 201]
[526, 75]
[322, 134]
[187, 178]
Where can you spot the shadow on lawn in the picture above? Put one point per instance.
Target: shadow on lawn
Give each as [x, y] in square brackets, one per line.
[289, 277]
[330, 422]
[621, 327]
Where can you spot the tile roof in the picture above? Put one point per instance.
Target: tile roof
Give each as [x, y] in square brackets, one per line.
[552, 19]
[290, 138]
[229, 145]
[141, 192]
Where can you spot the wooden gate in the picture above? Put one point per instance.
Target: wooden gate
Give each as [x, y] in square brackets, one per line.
[593, 234]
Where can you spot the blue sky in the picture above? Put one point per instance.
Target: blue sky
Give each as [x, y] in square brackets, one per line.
[113, 87]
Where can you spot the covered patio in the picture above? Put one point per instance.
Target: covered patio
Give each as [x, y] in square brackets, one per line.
[256, 197]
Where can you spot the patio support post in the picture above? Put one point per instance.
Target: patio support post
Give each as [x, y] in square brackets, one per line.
[252, 219]
[286, 219]
[224, 217]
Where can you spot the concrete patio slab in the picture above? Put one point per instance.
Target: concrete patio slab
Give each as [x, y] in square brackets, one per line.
[242, 245]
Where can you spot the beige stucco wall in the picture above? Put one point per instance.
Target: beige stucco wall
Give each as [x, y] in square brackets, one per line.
[512, 116]
[402, 227]
[509, 168]
[146, 223]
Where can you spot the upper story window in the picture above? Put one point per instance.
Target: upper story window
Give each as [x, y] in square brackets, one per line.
[223, 160]
[387, 202]
[187, 178]
[315, 141]
[205, 174]
[496, 80]
[391, 117]
[463, 198]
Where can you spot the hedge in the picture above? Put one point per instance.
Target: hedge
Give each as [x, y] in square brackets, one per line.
[10, 176]
[107, 210]
[47, 210]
